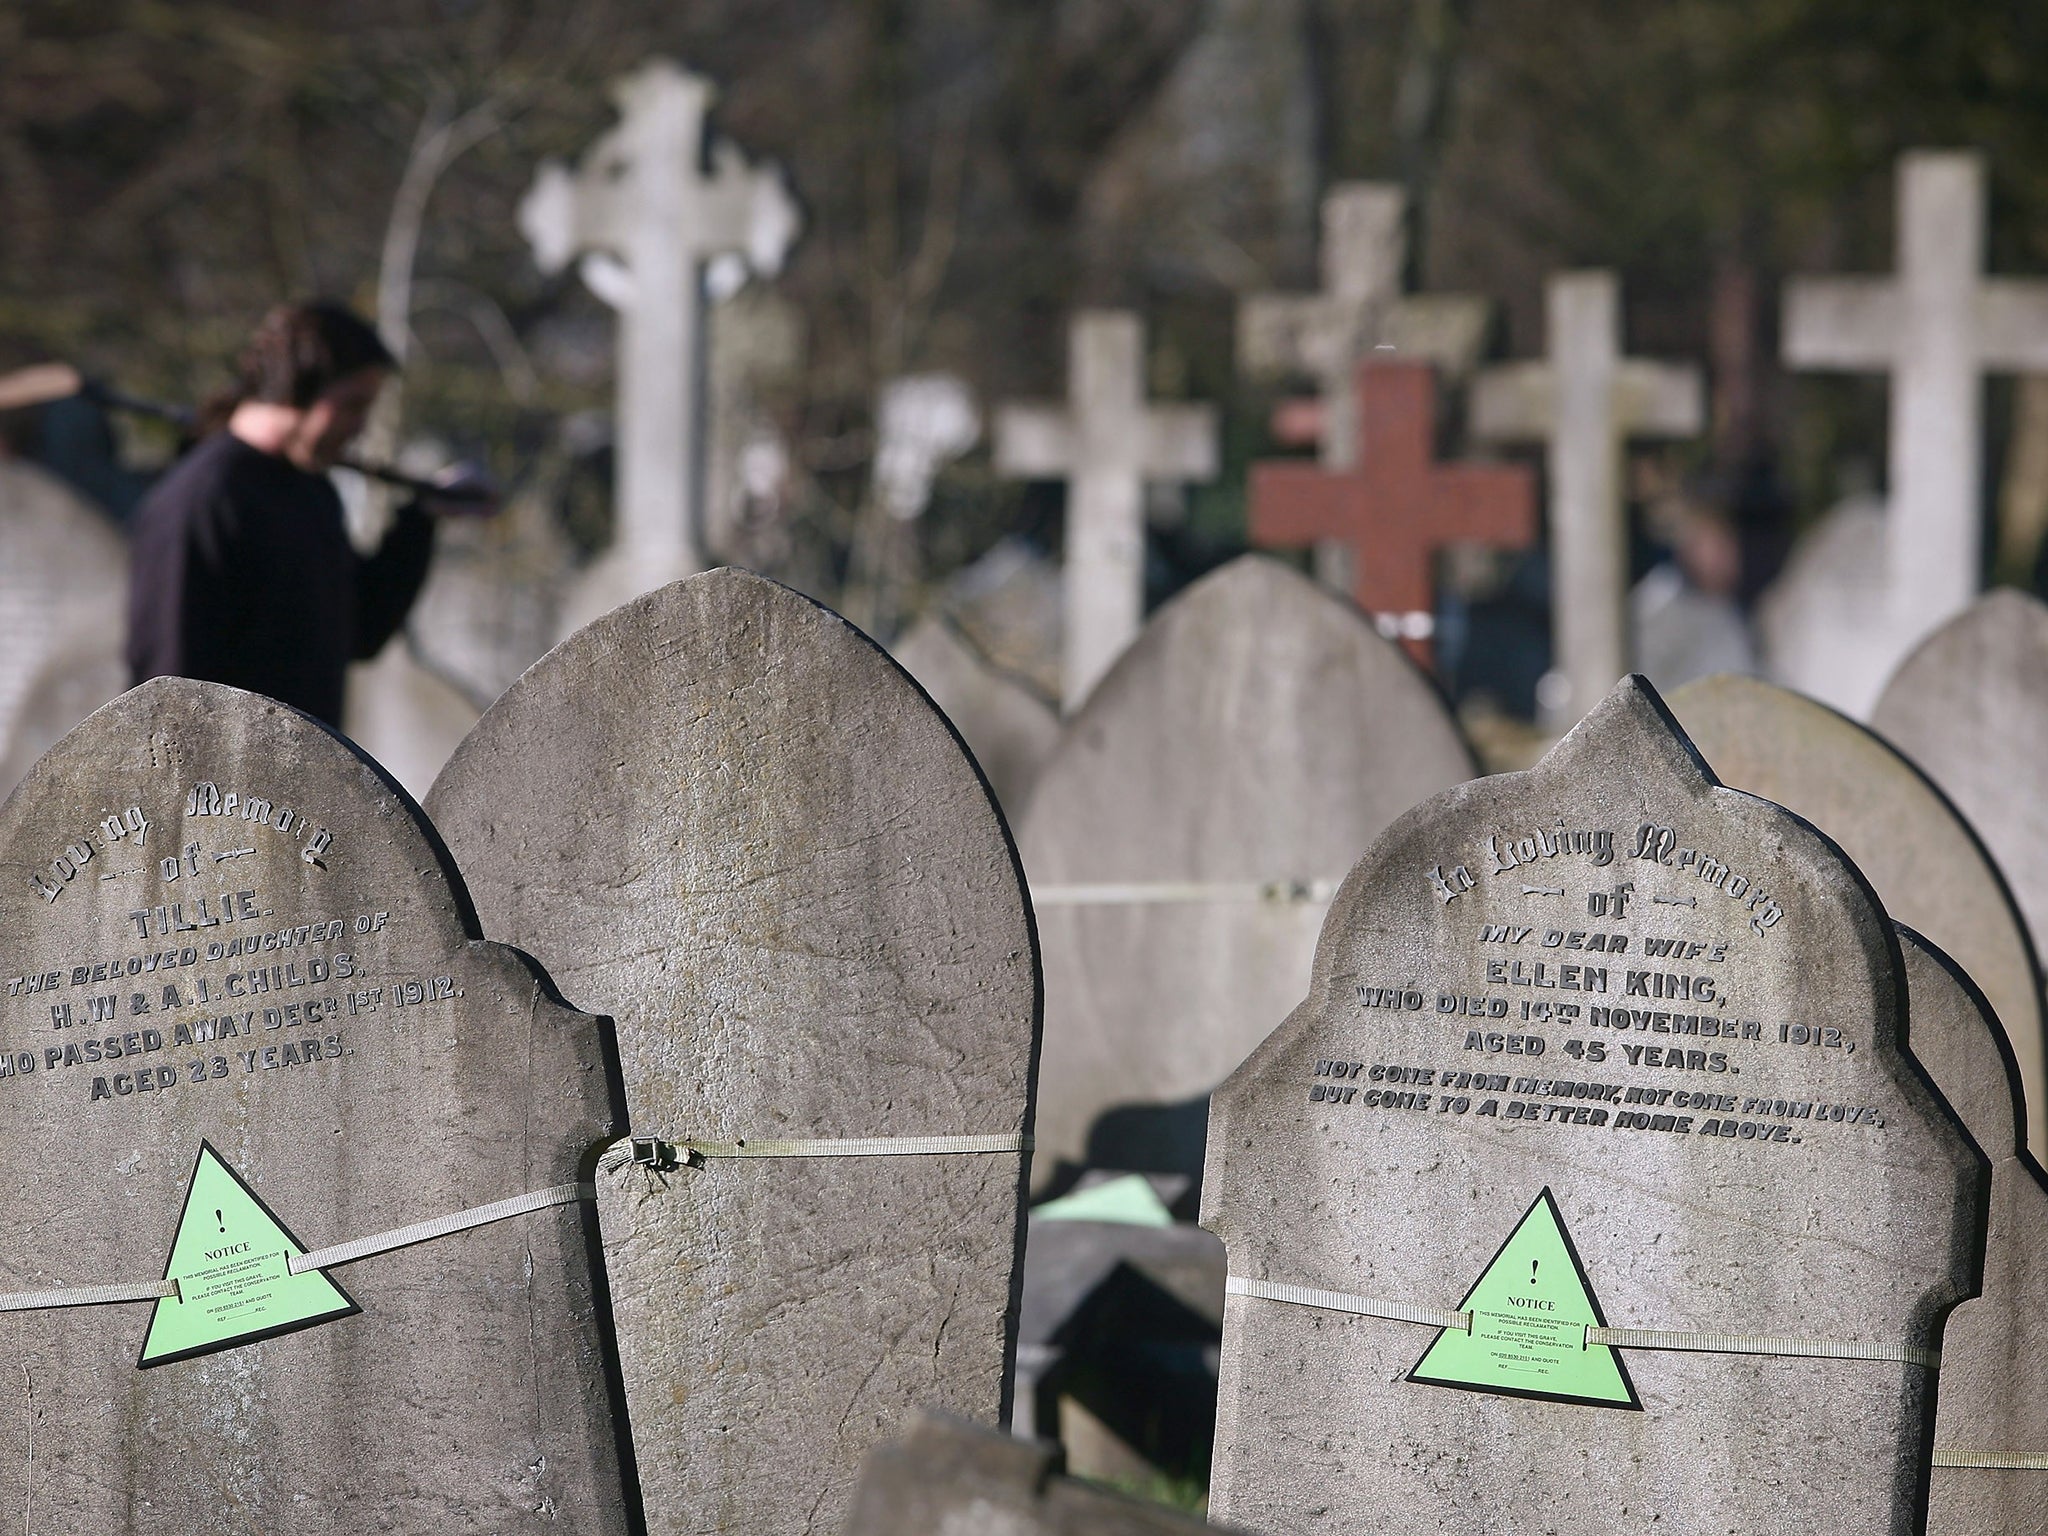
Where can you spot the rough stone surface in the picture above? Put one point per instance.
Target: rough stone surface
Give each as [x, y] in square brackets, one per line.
[1920, 856]
[1861, 1230]
[946, 1478]
[1010, 729]
[63, 611]
[733, 825]
[1994, 1348]
[425, 1073]
[1259, 731]
[1970, 707]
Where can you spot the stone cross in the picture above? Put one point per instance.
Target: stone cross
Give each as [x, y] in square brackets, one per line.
[1923, 860]
[1107, 443]
[1311, 733]
[746, 835]
[646, 217]
[1585, 402]
[1360, 311]
[1594, 1143]
[1396, 507]
[237, 953]
[1936, 327]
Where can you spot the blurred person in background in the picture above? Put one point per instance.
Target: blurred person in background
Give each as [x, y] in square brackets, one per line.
[243, 572]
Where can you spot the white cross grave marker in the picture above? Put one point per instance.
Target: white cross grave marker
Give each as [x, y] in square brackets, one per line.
[1934, 327]
[1360, 309]
[1106, 442]
[1584, 402]
[645, 217]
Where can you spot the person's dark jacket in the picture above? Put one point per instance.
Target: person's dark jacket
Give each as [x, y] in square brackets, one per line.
[243, 574]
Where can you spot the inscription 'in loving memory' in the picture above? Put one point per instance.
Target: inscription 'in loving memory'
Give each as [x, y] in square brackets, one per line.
[1601, 958]
[204, 799]
[1657, 844]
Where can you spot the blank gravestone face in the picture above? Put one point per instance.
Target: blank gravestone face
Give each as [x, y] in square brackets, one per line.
[1599, 1044]
[63, 591]
[739, 829]
[1258, 732]
[1970, 707]
[1919, 855]
[237, 965]
[1994, 1348]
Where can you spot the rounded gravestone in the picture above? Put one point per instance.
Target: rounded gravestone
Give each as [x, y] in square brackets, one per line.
[1259, 732]
[1010, 729]
[1923, 859]
[1993, 1404]
[63, 611]
[739, 829]
[1969, 706]
[231, 943]
[1602, 1045]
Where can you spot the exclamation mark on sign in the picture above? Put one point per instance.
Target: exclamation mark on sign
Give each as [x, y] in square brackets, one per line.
[1532, 1262]
[224, 1226]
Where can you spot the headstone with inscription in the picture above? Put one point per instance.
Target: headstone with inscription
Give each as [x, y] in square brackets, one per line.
[731, 823]
[1970, 707]
[1919, 855]
[250, 1035]
[1991, 1424]
[1184, 835]
[1591, 1177]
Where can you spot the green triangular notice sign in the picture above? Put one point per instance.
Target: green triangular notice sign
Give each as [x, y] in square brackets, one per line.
[1530, 1310]
[229, 1259]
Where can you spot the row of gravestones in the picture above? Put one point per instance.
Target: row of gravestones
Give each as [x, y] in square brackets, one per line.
[1172, 912]
[254, 1026]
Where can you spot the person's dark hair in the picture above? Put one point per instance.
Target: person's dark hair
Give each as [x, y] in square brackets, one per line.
[297, 353]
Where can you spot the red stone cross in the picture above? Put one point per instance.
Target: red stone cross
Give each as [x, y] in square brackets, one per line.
[1397, 508]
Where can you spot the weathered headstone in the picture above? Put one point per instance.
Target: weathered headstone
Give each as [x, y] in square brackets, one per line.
[1600, 1089]
[733, 825]
[1585, 402]
[1107, 443]
[1010, 730]
[1176, 910]
[1919, 855]
[947, 1478]
[645, 217]
[1936, 328]
[1395, 508]
[1969, 706]
[236, 954]
[63, 611]
[1991, 1422]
